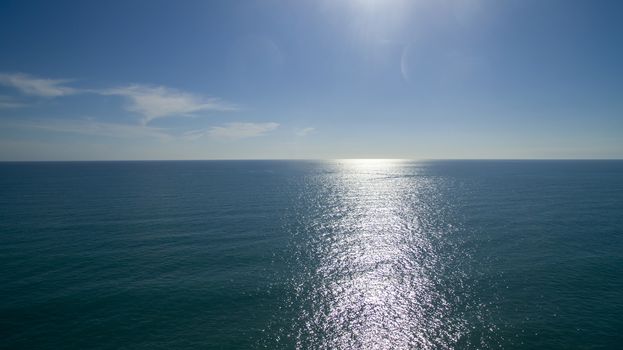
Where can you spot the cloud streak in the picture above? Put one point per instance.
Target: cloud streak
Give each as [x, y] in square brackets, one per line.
[7, 102]
[33, 86]
[230, 131]
[148, 101]
[153, 102]
[304, 131]
[95, 128]
[240, 130]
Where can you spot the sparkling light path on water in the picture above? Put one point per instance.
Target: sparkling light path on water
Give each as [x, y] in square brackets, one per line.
[381, 279]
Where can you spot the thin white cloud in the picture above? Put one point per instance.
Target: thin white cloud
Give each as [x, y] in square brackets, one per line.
[95, 128]
[8, 102]
[151, 102]
[154, 102]
[30, 85]
[241, 130]
[129, 131]
[304, 131]
[194, 134]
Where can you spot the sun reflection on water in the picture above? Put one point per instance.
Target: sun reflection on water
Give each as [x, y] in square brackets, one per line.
[378, 277]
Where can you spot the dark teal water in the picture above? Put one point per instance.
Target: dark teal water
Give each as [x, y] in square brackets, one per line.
[311, 255]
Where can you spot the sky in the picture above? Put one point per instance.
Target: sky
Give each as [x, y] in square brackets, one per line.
[270, 79]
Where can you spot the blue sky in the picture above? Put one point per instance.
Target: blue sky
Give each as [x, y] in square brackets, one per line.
[82, 80]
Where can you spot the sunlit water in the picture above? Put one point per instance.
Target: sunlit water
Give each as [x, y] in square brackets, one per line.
[376, 257]
[349, 254]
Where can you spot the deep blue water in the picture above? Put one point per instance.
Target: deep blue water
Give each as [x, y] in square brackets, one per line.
[311, 255]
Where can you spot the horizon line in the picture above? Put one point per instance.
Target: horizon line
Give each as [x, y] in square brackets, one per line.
[305, 159]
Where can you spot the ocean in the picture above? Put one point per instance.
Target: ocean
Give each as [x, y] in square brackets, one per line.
[344, 254]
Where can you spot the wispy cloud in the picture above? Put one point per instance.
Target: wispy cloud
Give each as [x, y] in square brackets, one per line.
[8, 102]
[237, 130]
[154, 102]
[304, 131]
[150, 102]
[95, 128]
[194, 134]
[34, 86]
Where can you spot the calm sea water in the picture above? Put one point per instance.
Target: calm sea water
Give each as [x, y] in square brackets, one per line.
[311, 255]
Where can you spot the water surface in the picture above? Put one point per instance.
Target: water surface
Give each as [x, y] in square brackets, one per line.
[311, 254]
